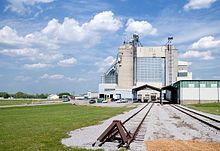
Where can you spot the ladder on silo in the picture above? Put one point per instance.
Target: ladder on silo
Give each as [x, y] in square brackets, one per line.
[170, 66]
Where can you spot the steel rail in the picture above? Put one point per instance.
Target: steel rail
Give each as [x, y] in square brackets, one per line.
[218, 121]
[115, 131]
[136, 113]
[139, 126]
[203, 121]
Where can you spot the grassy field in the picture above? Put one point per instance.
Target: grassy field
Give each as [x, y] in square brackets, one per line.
[19, 102]
[43, 127]
[213, 108]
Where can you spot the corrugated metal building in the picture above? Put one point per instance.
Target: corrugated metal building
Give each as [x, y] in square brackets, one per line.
[194, 91]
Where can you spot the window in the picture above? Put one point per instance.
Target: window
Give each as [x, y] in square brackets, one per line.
[182, 74]
[191, 85]
[202, 85]
[150, 69]
[213, 85]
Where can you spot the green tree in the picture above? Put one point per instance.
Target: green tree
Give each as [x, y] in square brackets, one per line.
[63, 93]
[21, 95]
[4, 95]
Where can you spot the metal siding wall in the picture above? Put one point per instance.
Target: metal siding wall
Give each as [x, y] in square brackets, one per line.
[208, 94]
[203, 91]
[190, 94]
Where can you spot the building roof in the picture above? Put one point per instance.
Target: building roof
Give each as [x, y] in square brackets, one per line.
[146, 86]
[183, 63]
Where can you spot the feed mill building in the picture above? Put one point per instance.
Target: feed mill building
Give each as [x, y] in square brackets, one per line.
[137, 65]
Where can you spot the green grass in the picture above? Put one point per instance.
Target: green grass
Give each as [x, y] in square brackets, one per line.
[19, 102]
[43, 127]
[213, 108]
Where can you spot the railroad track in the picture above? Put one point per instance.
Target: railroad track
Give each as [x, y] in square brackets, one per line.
[127, 131]
[214, 123]
[138, 120]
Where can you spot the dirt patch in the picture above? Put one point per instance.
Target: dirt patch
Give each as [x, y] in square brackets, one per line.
[180, 145]
[184, 124]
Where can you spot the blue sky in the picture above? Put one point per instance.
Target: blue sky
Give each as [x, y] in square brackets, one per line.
[51, 46]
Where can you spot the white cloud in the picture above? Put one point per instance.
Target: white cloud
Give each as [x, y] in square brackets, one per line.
[204, 55]
[33, 54]
[25, 52]
[62, 77]
[206, 42]
[21, 6]
[9, 36]
[103, 65]
[198, 4]
[67, 62]
[70, 31]
[22, 78]
[52, 77]
[103, 21]
[36, 66]
[143, 28]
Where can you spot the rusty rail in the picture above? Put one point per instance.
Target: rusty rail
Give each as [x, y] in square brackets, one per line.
[184, 110]
[117, 131]
[139, 126]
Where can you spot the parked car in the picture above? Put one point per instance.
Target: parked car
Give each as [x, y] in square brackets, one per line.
[122, 100]
[92, 101]
[104, 101]
[65, 98]
[118, 101]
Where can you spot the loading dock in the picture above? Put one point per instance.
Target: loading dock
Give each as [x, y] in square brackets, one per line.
[143, 87]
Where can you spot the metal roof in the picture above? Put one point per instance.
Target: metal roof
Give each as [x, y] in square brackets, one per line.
[146, 86]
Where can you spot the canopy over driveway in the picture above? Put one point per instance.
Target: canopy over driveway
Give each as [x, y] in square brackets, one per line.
[135, 90]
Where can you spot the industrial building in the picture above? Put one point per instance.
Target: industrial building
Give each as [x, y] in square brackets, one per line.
[138, 65]
[194, 91]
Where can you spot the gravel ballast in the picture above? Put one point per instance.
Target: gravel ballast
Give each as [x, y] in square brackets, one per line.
[163, 122]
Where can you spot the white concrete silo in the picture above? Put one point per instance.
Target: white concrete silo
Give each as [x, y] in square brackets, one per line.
[125, 66]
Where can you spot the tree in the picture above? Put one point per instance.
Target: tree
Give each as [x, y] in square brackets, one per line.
[21, 95]
[63, 93]
[4, 95]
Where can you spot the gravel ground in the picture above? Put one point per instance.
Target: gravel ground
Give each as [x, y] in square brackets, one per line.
[109, 104]
[85, 137]
[163, 122]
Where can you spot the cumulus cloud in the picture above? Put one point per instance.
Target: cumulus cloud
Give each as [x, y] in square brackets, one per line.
[103, 65]
[22, 6]
[33, 54]
[25, 52]
[198, 4]
[143, 28]
[37, 66]
[70, 31]
[204, 55]
[206, 42]
[103, 21]
[67, 62]
[10, 36]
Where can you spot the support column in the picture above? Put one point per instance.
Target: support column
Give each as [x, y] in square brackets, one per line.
[134, 94]
[161, 100]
